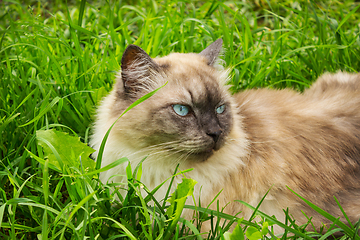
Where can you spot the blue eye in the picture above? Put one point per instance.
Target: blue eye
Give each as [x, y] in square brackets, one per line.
[181, 109]
[220, 109]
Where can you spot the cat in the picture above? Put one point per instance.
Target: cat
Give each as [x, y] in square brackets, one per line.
[243, 144]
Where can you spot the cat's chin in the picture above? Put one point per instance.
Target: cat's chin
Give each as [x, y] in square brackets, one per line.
[202, 156]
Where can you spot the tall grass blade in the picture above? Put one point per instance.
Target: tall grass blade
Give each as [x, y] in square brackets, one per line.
[350, 232]
[102, 146]
[346, 18]
[275, 221]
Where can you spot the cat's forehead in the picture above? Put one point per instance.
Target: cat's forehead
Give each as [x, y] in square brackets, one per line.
[178, 62]
[192, 79]
[187, 68]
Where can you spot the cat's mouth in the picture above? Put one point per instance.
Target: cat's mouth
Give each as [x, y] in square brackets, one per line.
[210, 150]
[205, 154]
[200, 153]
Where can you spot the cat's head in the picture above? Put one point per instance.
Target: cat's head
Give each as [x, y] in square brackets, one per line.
[190, 117]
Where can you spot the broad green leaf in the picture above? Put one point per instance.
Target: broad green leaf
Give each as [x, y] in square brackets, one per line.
[265, 229]
[237, 234]
[227, 236]
[177, 201]
[62, 149]
[178, 198]
[253, 234]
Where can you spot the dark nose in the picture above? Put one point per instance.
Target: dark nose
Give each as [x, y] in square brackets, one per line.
[215, 135]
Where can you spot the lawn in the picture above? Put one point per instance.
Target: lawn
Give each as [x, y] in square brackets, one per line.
[59, 59]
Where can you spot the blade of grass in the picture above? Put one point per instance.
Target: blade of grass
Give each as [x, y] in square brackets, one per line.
[77, 207]
[102, 146]
[347, 18]
[350, 232]
[275, 221]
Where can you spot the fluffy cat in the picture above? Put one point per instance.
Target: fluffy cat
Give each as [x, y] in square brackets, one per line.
[243, 144]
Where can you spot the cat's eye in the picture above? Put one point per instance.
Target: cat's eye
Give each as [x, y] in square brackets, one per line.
[180, 109]
[220, 109]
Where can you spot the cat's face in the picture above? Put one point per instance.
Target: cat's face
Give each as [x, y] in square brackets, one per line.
[190, 117]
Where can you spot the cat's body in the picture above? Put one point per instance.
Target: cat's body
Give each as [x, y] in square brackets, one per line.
[243, 144]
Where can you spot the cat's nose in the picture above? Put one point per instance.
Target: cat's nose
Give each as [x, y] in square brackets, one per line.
[215, 135]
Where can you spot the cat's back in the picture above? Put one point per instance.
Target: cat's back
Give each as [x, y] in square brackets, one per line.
[327, 115]
[332, 84]
[333, 98]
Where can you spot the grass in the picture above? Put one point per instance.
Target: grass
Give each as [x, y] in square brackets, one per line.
[57, 60]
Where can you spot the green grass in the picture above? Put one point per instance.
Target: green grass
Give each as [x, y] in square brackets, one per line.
[57, 60]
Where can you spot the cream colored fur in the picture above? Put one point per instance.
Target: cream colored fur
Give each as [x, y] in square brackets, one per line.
[309, 142]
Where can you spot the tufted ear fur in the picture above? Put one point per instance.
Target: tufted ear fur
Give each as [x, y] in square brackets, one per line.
[212, 51]
[136, 70]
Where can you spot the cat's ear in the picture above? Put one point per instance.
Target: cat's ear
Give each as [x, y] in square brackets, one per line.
[136, 69]
[212, 52]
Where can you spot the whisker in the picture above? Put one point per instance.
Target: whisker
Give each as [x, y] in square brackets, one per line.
[155, 147]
